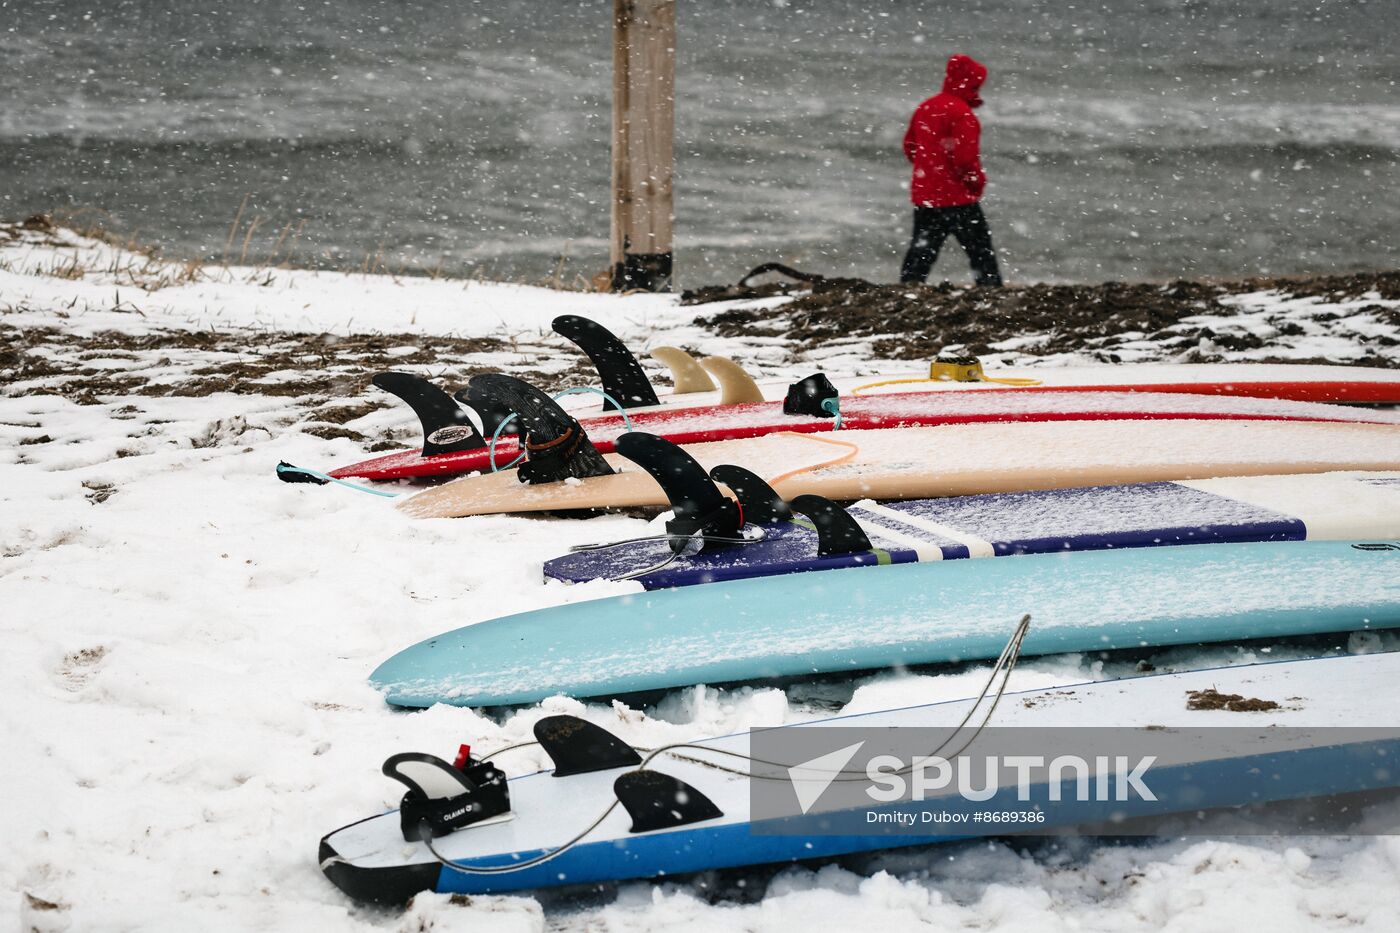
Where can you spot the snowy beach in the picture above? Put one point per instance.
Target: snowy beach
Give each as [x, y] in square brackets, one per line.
[284, 286]
[188, 639]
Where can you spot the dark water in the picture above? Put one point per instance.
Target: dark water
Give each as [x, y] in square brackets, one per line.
[1124, 139]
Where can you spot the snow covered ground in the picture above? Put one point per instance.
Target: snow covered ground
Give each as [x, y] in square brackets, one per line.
[187, 639]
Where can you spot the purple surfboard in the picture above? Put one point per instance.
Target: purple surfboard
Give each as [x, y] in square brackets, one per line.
[1094, 518]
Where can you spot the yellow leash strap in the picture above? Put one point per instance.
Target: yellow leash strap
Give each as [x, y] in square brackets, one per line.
[950, 371]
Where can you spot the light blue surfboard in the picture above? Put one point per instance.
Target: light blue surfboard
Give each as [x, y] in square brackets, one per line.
[864, 618]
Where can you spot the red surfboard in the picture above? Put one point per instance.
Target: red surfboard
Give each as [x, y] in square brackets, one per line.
[922, 409]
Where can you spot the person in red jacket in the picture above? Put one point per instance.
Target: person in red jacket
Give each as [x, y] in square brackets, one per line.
[942, 144]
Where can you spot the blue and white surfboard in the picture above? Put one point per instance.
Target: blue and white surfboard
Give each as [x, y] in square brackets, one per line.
[529, 847]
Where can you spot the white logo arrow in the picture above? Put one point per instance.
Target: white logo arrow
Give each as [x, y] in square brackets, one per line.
[811, 778]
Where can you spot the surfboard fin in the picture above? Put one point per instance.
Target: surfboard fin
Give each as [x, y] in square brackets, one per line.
[687, 375]
[577, 746]
[556, 444]
[490, 410]
[446, 427]
[760, 503]
[736, 386]
[621, 374]
[442, 797]
[656, 800]
[837, 531]
[699, 505]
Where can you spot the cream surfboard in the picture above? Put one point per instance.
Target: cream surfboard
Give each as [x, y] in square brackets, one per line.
[954, 460]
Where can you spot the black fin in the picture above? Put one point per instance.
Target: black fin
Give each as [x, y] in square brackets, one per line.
[578, 747]
[441, 797]
[837, 532]
[446, 427]
[760, 503]
[658, 801]
[557, 445]
[489, 409]
[426, 775]
[806, 397]
[696, 500]
[290, 473]
[621, 374]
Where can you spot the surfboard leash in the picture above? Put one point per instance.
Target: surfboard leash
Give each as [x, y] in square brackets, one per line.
[1005, 663]
[852, 450]
[832, 406]
[290, 473]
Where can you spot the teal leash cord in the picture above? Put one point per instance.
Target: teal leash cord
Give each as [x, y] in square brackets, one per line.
[491, 447]
[832, 406]
[283, 468]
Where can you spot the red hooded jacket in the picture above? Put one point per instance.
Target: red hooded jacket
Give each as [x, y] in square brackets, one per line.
[943, 138]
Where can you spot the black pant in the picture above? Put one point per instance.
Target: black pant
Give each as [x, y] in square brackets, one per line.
[932, 226]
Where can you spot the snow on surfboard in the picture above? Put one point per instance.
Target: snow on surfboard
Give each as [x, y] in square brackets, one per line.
[715, 380]
[690, 808]
[453, 445]
[1326, 506]
[952, 460]
[1302, 382]
[862, 618]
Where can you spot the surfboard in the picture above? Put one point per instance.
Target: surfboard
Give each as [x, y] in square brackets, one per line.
[715, 380]
[1325, 506]
[1302, 382]
[956, 460]
[755, 419]
[862, 618]
[1292, 750]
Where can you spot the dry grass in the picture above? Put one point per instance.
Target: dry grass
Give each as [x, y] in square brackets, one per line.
[139, 265]
[130, 265]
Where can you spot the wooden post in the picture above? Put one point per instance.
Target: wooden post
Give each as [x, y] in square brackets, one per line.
[644, 121]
